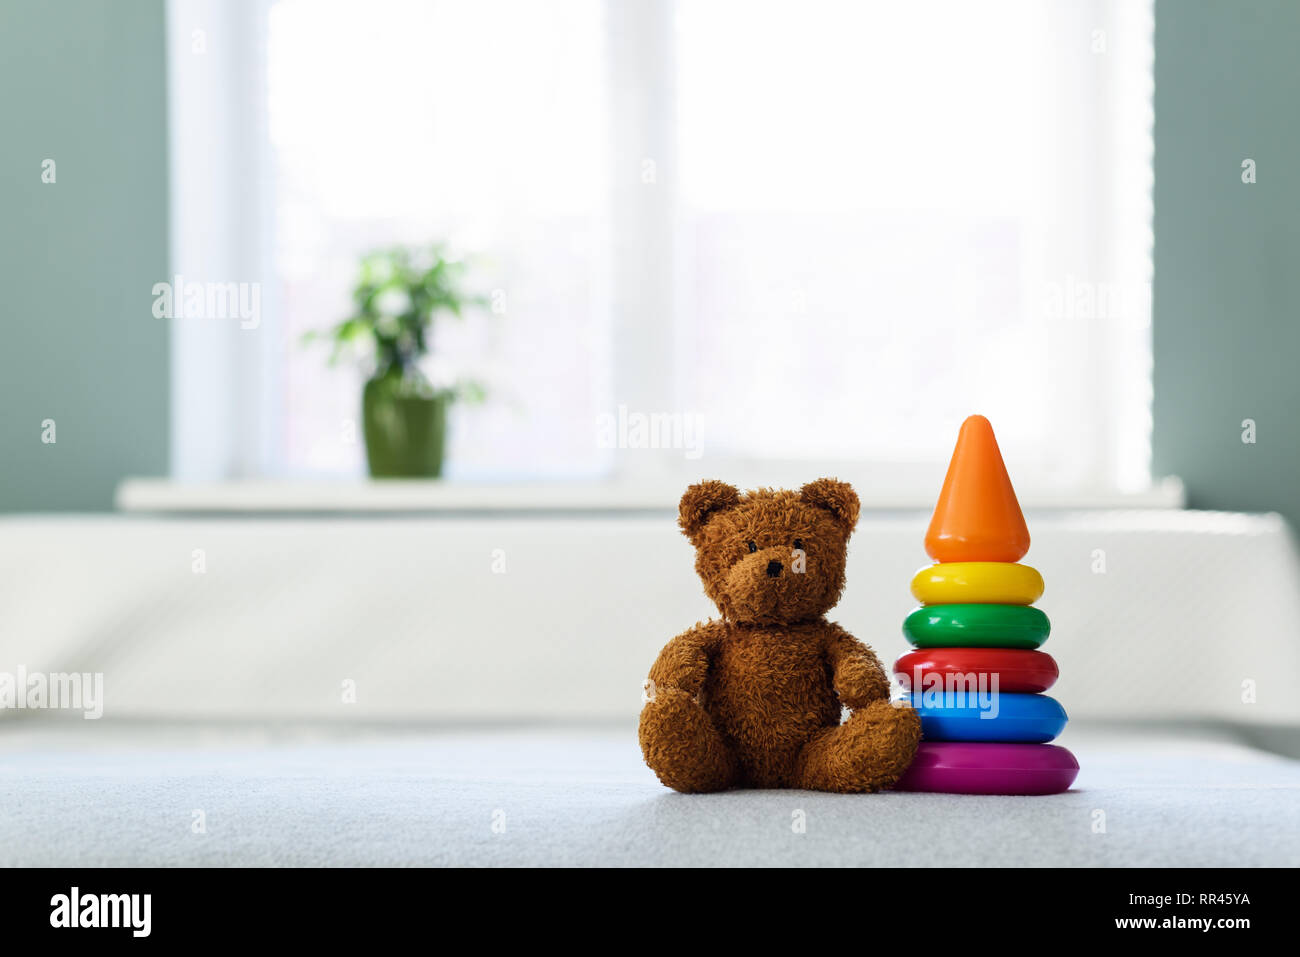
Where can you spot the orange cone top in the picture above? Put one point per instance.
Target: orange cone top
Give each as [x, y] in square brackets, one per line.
[978, 518]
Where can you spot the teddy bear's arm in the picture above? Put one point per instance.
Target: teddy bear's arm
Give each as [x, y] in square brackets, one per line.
[856, 672]
[684, 661]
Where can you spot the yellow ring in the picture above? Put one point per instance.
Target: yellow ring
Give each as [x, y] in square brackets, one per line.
[977, 583]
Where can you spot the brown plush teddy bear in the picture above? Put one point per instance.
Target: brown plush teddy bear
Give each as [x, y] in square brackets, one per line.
[754, 700]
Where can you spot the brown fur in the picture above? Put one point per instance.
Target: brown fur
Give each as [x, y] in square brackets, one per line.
[754, 699]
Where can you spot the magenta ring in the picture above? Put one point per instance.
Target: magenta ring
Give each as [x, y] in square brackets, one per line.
[969, 767]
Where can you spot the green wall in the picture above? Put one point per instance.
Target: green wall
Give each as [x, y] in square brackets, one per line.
[82, 82]
[1227, 255]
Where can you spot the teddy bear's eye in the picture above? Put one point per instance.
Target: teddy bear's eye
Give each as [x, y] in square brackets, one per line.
[752, 546]
[798, 544]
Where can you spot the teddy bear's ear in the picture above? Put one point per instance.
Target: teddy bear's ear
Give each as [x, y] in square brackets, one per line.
[836, 497]
[701, 502]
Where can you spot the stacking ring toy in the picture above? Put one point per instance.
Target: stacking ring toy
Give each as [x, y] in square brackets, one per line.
[957, 767]
[995, 583]
[972, 714]
[979, 626]
[1016, 669]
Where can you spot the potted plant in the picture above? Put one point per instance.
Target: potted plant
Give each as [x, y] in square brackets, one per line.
[398, 294]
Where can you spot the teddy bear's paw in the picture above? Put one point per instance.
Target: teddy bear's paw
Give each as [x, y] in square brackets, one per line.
[869, 752]
[682, 746]
[860, 682]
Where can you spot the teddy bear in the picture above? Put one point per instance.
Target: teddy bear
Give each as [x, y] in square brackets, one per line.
[754, 699]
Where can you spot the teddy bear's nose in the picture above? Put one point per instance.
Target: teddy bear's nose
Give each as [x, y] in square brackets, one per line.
[773, 568]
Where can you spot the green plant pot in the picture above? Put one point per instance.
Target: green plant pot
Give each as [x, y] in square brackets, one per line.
[405, 426]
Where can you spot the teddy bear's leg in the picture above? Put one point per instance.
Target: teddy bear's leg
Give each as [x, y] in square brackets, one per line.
[682, 746]
[868, 752]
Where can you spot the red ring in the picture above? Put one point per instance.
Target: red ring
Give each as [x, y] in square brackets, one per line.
[1018, 670]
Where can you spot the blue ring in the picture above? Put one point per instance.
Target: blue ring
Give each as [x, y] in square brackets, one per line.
[1030, 718]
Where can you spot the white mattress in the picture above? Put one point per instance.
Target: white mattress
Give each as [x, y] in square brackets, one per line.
[126, 793]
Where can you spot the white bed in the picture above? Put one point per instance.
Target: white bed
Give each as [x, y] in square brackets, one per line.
[497, 666]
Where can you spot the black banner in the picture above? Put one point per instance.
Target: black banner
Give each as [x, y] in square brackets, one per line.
[334, 906]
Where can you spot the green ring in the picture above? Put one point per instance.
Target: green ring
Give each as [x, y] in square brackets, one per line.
[976, 626]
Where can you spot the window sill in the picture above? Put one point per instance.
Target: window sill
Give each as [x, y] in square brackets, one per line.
[302, 496]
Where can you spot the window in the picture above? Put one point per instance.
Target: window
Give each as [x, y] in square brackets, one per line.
[825, 231]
